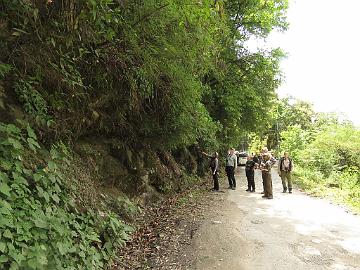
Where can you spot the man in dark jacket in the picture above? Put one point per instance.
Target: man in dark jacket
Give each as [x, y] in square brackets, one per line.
[249, 170]
[214, 166]
[285, 168]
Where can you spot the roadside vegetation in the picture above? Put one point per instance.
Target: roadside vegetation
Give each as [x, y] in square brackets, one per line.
[324, 146]
[106, 104]
[328, 161]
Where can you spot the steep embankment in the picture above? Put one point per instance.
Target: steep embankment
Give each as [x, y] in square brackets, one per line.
[104, 105]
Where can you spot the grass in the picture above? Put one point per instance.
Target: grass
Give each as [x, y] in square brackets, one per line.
[345, 191]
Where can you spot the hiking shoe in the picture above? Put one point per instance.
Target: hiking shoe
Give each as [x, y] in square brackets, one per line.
[252, 190]
[248, 190]
[270, 197]
[233, 188]
[284, 191]
[263, 196]
[290, 191]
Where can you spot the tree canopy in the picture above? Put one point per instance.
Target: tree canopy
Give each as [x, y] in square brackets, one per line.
[167, 73]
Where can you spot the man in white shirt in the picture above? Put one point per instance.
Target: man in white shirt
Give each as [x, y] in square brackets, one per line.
[231, 165]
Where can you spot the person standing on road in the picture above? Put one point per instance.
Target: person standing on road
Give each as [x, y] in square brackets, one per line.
[264, 150]
[249, 170]
[266, 173]
[215, 170]
[285, 168]
[214, 166]
[231, 165]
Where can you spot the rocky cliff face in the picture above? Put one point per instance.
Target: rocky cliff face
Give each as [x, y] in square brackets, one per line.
[112, 166]
[142, 174]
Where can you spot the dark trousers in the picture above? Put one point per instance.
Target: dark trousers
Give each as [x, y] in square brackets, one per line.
[263, 177]
[230, 172]
[250, 180]
[216, 180]
[268, 191]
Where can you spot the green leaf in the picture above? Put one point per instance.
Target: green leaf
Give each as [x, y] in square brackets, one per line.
[3, 258]
[15, 143]
[18, 178]
[63, 249]
[8, 222]
[7, 234]
[31, 132]
[38, 176]
[40, 223]
[33, 144]
[11, 128]
[52, 165]
[82, 254]
[16, 255]
[5, 205]
[57, 188]
[3, 177]
[5, 211]
[46, 196]
[6, 164]
[94, 237]
[5, 189]
[55, 198]
[14, 266]
[40, 190]
[33, 263]
[72, 249]
[2, 247]
[4, 69]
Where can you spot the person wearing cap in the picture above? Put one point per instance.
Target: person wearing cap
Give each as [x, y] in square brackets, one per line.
[266, 173]
[231, 165]
[265, 151]
[285, 168]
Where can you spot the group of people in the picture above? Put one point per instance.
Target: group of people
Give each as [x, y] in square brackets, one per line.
[264, 162]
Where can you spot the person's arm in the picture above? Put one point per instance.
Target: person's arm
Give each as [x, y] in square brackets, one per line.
[216, 166]
[273, 160]
[267, 166]
[205, 154]
[235, 162]
[279, 165]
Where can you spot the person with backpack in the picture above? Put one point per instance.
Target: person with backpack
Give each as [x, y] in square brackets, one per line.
[285, 168]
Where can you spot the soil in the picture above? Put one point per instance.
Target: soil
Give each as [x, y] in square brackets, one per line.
[235, 230]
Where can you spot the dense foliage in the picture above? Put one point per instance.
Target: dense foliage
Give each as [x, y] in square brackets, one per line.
[40, 225]
[175, 72]
[164, 75]
[325, 149]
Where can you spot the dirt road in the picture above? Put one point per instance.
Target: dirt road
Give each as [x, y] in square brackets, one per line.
[292, 231]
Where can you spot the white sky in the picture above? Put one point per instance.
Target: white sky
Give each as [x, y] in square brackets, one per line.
[323, 46]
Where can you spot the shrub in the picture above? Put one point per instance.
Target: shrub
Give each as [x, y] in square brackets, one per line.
[40, 226]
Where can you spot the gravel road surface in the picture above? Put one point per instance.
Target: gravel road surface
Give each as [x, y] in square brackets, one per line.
[292, 231]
